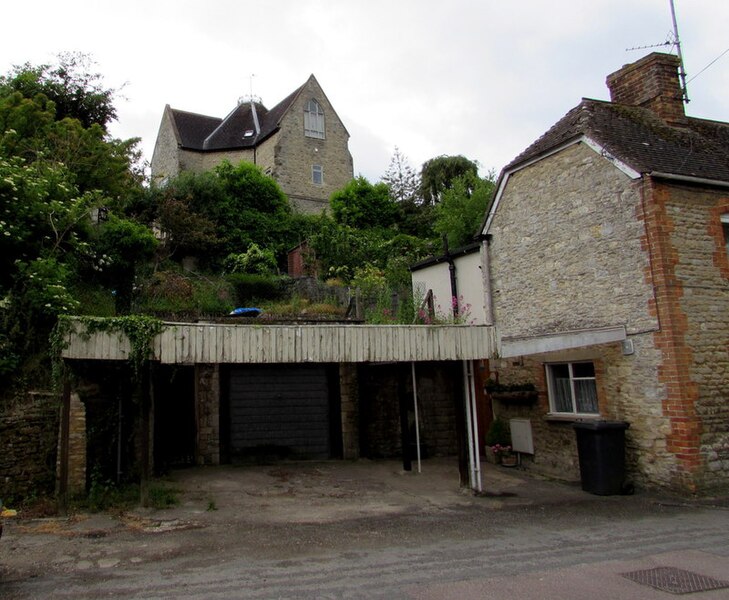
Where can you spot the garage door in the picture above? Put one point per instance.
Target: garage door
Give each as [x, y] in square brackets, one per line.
[280, 408]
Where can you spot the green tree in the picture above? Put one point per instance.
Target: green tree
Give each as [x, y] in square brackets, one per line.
[414, 217]
[363, 205]
[214, 214]
[125, 247]
[438, 174]
[462, 208]
[57, 168]
[402, 181]
[75, 90]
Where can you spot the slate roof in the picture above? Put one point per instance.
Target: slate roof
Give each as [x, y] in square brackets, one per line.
[193, 128]
[201, 132]
[639, 138]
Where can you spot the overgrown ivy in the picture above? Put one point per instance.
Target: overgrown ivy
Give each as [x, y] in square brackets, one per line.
[140, 330]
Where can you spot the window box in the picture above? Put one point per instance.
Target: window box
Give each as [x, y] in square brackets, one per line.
[523, 397]
[520, 393]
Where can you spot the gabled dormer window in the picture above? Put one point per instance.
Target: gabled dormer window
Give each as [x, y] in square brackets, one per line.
[313, 120]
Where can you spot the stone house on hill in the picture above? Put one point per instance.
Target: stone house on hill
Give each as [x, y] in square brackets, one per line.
[608, 242]
[300, 142]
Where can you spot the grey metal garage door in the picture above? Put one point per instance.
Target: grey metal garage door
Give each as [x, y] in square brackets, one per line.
[280, 407]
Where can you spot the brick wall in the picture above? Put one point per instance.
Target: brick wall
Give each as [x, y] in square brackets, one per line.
[653, 83]
[693, 301]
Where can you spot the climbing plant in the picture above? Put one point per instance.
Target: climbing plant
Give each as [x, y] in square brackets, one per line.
[140, 330]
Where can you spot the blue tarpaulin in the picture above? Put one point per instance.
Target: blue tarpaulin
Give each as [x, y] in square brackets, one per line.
[245, 312]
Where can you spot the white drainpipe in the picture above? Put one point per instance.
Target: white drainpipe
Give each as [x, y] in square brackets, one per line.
[474, 459]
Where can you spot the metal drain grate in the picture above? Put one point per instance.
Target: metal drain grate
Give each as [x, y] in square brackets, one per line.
[675, 581]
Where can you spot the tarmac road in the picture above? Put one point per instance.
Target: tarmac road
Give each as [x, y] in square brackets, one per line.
[365, 530]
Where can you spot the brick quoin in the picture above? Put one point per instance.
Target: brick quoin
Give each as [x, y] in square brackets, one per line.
[716, 231]
[684, 438]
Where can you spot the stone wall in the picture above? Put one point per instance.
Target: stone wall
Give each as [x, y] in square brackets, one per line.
[566, 239]
[380, 408]
[165, 158]
[210, 160]
[694, 297]
[296, 153]
[207, 408]
[627, 389]
[437, 385]
[569, 251]
[288, 155]
[76, 448]
[577, 245]
[28, 443]
[349, 395]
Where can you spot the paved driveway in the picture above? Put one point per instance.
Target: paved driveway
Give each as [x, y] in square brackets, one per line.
[365, 530]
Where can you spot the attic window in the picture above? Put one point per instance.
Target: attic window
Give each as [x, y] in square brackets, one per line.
[313, 120]
[248, 133]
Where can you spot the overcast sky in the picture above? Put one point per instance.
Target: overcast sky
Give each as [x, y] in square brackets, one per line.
[482, 78]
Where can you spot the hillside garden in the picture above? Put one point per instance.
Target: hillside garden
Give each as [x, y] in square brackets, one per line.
[82, 232]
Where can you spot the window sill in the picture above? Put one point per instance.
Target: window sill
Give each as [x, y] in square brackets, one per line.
[570, 418]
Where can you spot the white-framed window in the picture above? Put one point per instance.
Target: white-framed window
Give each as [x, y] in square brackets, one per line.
[572, 388]
[317, 175]
[313, 120]
[725, 228]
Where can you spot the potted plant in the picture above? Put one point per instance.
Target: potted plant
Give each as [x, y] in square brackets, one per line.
[497, 435]
[505, 455]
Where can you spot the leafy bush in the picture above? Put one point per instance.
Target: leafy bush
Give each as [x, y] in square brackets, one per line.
[498, 433]
[93, 300]
[248, 287]
[174, 292]
[255, 260]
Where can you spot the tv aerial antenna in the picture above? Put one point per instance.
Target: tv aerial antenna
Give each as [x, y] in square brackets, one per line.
[673, 39]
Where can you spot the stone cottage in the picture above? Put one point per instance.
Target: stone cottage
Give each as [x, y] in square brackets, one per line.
[300, 142]
[607, 245]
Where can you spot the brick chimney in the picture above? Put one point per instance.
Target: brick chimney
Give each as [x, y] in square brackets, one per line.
[652, 82]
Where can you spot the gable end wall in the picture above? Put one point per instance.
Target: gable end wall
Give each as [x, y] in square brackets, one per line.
[566, 239]
[295, 154]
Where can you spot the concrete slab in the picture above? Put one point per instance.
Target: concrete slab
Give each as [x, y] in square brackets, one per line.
[321, 492]
[596, 581]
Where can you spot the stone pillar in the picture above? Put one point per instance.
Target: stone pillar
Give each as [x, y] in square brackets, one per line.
[75, 454]
[207, 414]
[349, 393]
